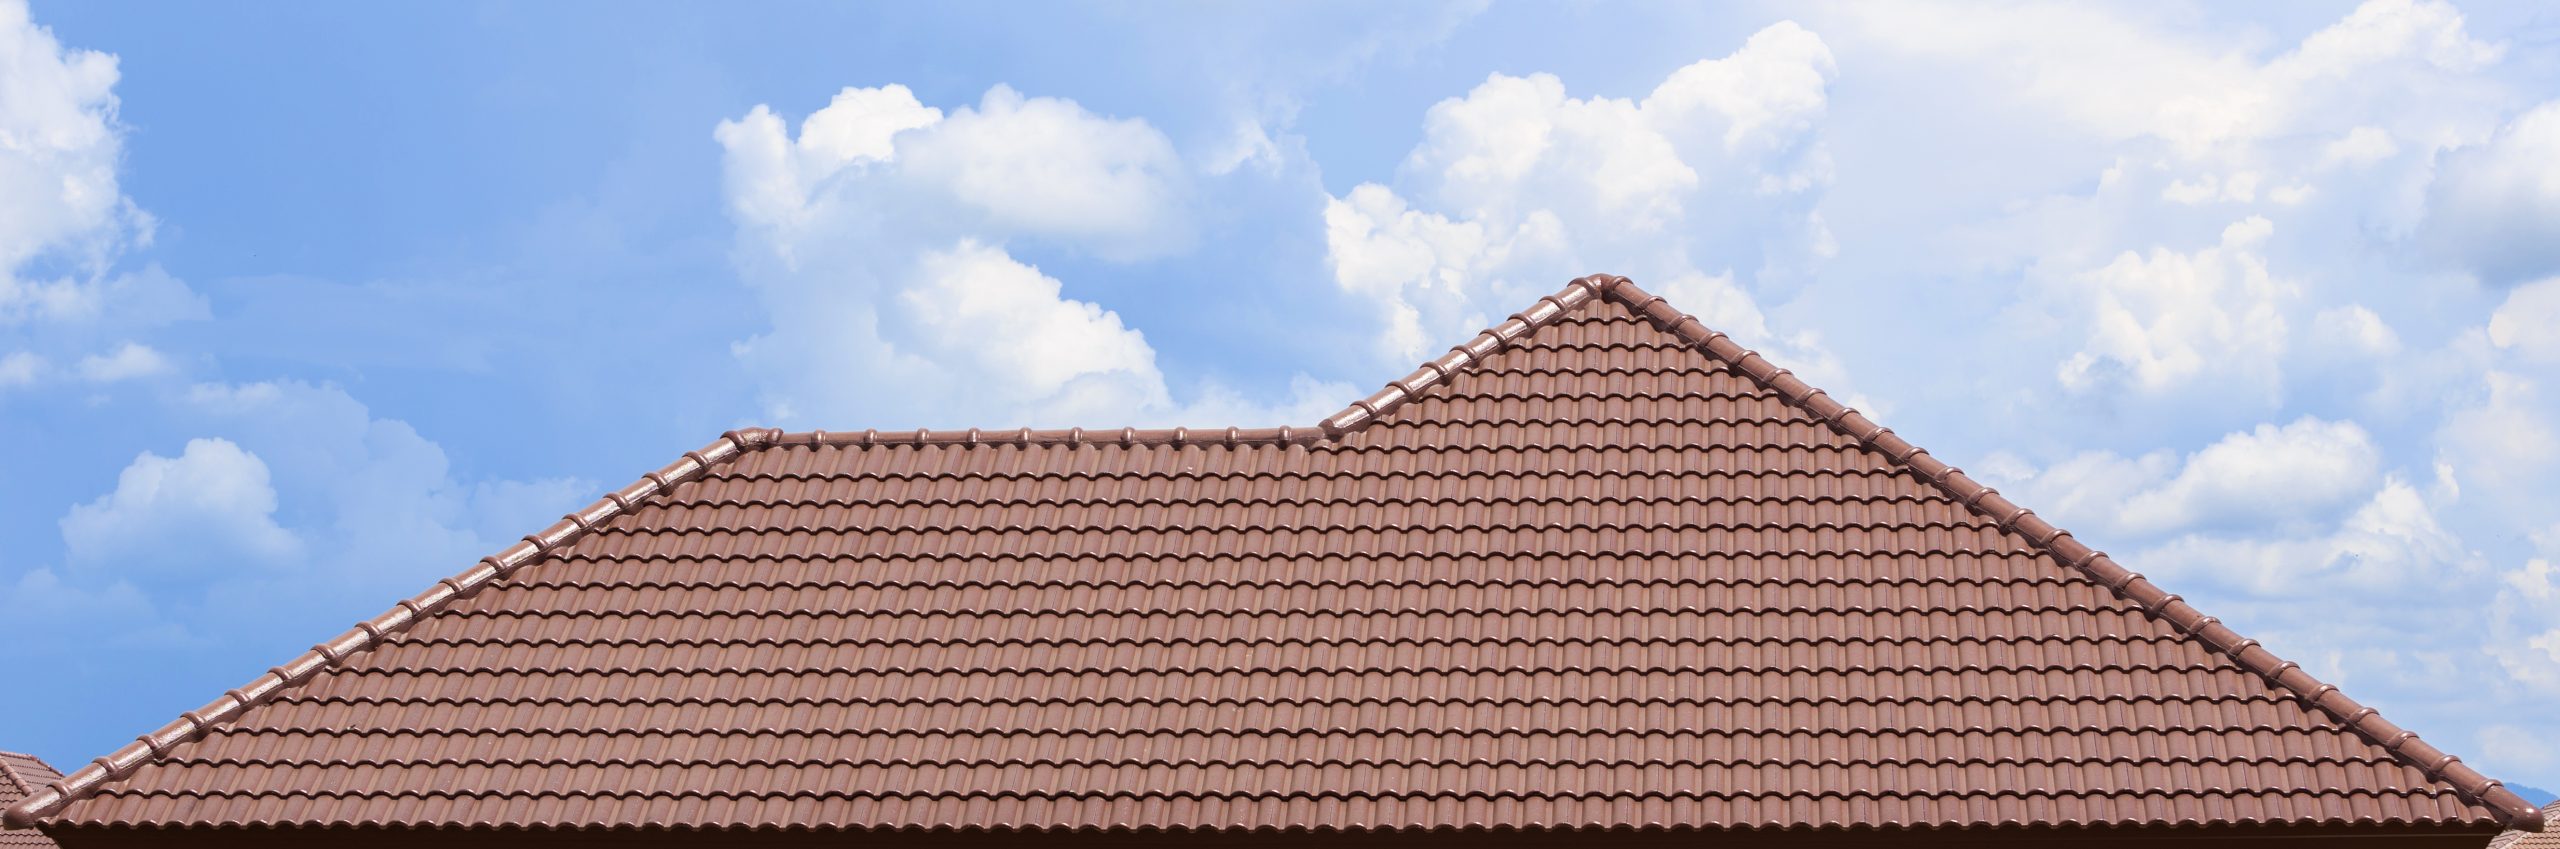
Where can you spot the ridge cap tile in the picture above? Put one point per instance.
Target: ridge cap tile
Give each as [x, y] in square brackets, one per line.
[1190, 660]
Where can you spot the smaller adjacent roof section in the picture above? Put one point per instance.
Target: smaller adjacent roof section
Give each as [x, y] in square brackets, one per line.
[2519, 838]
[19, 776]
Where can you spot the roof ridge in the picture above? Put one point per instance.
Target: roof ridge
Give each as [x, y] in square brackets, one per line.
[89, 778]
[2127, 584]
[1579, 291]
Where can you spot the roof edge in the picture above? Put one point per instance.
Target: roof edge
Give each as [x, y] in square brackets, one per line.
[88, 779]
[2511, 809]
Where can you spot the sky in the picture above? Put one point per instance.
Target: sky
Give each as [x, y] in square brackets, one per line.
[305, 306]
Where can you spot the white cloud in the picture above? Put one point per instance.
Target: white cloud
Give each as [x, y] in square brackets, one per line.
[22, 368]
[58, 161]
[2241, 187]
[2356, 329]
[2528, 323]
[2504, 444]
[2269, 477]
[2382, 31]
[63, 218]
[1518, 186]
[375, 503]
[1044, 165]
[2390, 546]
[2266, 475]
[128, 361]
[876, 161]
[2121, 76]
[2522, 746]
[40, 605]
[2495, 207]
[882, 240]
[1413, 263]
[172, 515]
[2157, 321]
[1003, 326]
[2359, 148]
[1768, 94]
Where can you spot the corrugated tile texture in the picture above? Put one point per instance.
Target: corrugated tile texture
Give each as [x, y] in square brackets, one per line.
[1594, 578]
[20, 775]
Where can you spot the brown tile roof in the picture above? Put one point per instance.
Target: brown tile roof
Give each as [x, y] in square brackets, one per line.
[1598, 567]
[19, 776]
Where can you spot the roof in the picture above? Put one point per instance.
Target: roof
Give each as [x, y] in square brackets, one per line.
[19, 776]
[2520, 838]
[1597, 567]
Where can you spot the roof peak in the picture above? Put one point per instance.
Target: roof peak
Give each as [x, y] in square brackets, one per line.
[2155, 602]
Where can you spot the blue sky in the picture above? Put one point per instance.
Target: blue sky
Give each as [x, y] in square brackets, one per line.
[302, 307]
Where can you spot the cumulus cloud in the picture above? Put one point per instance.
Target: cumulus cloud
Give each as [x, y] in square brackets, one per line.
[40, 605]
[2268, 477]
[22, 368]
[2355, 329]
[2527, 614]
[2504, 443]
[63, 217]
[128, 361]
[2391, 545]
[1012, 166]
[2122, 77]
[2524, 324]
[2359, 148]
[2495, 207]
[209, 506]
[882, 239]
[2157, 320]
[2265, 475]
[1004, 325]
[58, 168]
[1518, 186]
[304, 494]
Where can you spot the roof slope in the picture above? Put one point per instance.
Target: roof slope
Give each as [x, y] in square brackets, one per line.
[1599, 567]
[19, 776]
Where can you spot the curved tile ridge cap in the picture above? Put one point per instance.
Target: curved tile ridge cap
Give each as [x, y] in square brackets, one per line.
[1486, 344]
[2511, 809]
[1038, 437]
[193, 724]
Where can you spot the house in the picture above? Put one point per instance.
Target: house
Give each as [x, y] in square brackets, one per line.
[2520, 838]
[1596, 574]
[19, 776]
